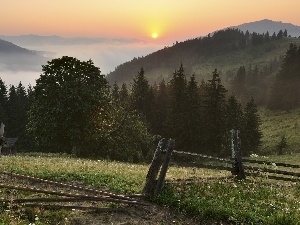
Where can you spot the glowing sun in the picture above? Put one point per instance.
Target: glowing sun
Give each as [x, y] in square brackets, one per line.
[154, 35]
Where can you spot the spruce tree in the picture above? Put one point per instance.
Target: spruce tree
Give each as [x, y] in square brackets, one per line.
[285, 93]
[124, 95]
[177, 107]
[160, 109]
[3, 102]
[115, 93]
[141, 99]
[194, 121]
[251, 133]
[215, 119]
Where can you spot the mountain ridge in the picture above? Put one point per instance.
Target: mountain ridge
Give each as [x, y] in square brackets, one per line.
[16, 58]
[162, 63]
[262, 26]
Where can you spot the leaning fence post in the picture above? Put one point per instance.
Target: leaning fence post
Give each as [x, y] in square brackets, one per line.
[154, 168]
[164, 167]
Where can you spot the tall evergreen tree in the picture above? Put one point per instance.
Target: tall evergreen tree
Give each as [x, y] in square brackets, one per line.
[238, 83]
[194, 121]
[215, 111]
[177, 107]
[251, 134]
[160, 109]
[115, 93]
[3, 102]
[285, 93]
[234, 114]
[140, 95]
[124, 95]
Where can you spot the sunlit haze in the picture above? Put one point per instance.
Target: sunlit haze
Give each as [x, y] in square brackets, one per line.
[172, 20]
[155, 23]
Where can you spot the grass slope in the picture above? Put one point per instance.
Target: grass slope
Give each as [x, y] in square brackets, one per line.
[226, 63]
[212, 197]
[278, 124]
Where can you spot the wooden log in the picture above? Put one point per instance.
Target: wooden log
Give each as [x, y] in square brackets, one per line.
[270, 163]
[105, 199]
[98, 209]
[164, 168]
[90, 190]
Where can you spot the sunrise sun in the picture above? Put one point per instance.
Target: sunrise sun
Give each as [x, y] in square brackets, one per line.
[154, 35]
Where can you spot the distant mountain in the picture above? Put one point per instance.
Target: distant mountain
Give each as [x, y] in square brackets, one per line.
[37, 40]
[225, 50]
[265, 25]
[15, 58]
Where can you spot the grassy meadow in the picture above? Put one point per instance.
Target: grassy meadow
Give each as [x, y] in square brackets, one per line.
[209, 195]
[212, 196]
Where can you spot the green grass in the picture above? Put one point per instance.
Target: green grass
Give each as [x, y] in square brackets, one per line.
[210, 197]
[254, 201]
[278, 124]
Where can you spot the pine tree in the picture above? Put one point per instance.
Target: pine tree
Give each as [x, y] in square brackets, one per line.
[194, 121]
[177, 107]
[3, 102]
[17, 108]
[141, 97]
[215, 119]
[279, 34]
[238, 83]
[251, 134]
[160, 109]
[285, 93]
[234, 114]
[115, 93]
[124, 95]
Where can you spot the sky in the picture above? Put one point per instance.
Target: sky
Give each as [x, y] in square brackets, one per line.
[166, 20]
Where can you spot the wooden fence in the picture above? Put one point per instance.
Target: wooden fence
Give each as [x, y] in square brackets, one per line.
[238, 166]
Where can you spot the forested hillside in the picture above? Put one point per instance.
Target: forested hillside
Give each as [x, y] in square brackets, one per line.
[73, 104]
[225, 50]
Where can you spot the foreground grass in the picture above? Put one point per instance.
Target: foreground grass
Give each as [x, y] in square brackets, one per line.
[211, 197]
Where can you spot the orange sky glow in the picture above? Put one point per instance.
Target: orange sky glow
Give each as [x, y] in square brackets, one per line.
[170, 20]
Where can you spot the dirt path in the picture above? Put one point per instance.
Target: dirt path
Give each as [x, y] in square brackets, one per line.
[143, 215]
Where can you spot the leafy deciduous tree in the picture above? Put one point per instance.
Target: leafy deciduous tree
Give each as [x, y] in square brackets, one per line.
[69, 111]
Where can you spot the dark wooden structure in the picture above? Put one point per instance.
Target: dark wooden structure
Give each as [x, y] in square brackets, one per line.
[9, 146]
[160, 162]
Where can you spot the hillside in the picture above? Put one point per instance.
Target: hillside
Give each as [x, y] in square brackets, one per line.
[278, 124]
[15, 58]
[225, 50]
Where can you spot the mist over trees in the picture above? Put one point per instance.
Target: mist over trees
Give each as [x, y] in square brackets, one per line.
[285, 92]
[73, 109]
[195, 52]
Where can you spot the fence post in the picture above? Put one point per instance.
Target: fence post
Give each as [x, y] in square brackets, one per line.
[237, 165]
[164, 167]
[154, 167]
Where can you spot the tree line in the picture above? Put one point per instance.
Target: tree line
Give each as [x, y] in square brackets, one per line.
[198, 116]
[219, 42]
[72, 109]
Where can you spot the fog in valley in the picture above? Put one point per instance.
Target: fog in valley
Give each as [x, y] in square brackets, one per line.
[105, 53]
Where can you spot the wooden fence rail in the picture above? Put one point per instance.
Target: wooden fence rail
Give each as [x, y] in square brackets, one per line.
[165, 148]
